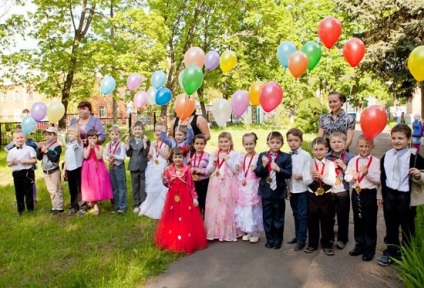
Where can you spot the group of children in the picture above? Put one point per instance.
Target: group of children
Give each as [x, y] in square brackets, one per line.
[226, 195]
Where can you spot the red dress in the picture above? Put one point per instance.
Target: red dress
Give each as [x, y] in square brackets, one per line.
[180, 228]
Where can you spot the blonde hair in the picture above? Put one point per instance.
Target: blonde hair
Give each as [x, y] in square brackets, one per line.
[115, 128]
[228, 136]
[339, 134]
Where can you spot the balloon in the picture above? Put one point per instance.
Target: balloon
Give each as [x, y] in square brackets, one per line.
[194, 56]
[314, 53]
[158, 79]
[134, 81]
[240, 102]
[55, 112]
[270, 96]
[298, 63]
[163, 96]
[107, 85]
[329, 31]
[416, 63]
[151, 95]
[140, 99]
[254, 91]
[354, 51]
[228, 60]
[373, 121]
[211, 60]
[221, 111]
[28, 125]
[184, 106]
[192, 79]
[284, 51]
[38, 111]
[180, 79]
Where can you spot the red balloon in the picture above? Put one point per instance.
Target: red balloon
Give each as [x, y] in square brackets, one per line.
[329, 31]
[373, 121]
[298, 63]
[354, 51]
[270, 96]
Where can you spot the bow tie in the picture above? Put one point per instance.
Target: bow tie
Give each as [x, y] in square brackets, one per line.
[18, 147]
[293, 152]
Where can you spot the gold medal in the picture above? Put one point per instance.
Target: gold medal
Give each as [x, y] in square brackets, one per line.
[338, 181]
[269, 180]
[358, 189]
[195, 177]
[157, 162]
[243, 182]
[177, 198]
[217, 174]
[320, 191]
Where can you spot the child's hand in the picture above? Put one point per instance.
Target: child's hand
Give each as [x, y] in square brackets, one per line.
[316, 174]
[195, 203]
[415, 173]
[380, 202]
[238, 167]
[275, 167]
[111, 156]
[253, 167]
[227, 157]
[145, 140]
[127, 141]
[164, 121]
[364, 170]
[339, 163]
[265, 161]
[297, 176]
[356, 176]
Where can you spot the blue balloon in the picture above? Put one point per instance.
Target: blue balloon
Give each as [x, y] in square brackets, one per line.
[163, 96]
[28, 125]
[107, 85]
[284, 51]
[158, 79]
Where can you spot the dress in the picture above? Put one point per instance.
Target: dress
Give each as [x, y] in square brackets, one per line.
[221, 198]
[94, 175]
[156, 193]
[248, 213]
[180, 228]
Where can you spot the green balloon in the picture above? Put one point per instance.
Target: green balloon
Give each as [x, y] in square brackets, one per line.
[192, 79]
[313, 51]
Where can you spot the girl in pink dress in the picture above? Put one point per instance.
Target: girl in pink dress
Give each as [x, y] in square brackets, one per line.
[222, 191]
[180, 228]
[95, 180]
[249, 207]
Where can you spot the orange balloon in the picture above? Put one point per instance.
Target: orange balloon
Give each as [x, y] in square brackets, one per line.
[298, 63]
[254, 91]
[184, 106]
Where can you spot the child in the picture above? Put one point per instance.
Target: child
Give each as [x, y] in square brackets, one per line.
[249, 207]
[340, 190]
[199, 162]
[298, 187]
[320, 202]
[49, 154]
[273, 167]
[183, 135]
[137, 149]
[95, 180]
[363, 173]
[22, 158]
[222, 191]
[180, 228]
[399, 169]
[115, 154]
[155, 190]
[72, 167]
[417, 132]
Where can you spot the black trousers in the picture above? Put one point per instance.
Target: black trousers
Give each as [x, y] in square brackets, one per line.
[201, 190]
[341, 210]
[23, 180]
[398, 213]
[320, 213]
[273, 217]
[74, 184]
[364, 206]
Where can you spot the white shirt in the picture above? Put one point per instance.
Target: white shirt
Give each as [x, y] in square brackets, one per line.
[300, 165]
[26, 153]
[389, 162]
[371, 180]
[329, 175]
[73, 155]
[119, 152]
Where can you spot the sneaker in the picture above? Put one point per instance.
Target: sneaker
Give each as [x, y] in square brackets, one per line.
[385, 260]
[299, 246]
[114, 211]
[329, 252]
[309, 249]
[136, 209]
[340, 245]
[120, 211]
[246, 237]
[80, 212]
[72, 212]
[254, 238]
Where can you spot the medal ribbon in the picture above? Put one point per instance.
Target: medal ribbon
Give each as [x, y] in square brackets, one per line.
[200, 159]
[116, 147]
[338, 169]
[357, 168]
[221, 162]
[244, 163]
[157, 151]
[322, 170]
[51, 144]
[270, 159]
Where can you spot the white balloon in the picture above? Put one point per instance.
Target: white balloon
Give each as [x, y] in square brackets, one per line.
[221, 112]
[151, 95]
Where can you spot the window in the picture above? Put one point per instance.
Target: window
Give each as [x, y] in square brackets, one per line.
[16, 96]
[17, 114]
[102, 111]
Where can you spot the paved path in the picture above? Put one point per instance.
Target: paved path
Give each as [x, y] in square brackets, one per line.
[242, 264]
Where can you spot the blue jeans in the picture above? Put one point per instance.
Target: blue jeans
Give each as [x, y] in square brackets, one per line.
[299, 205]
[119, 186]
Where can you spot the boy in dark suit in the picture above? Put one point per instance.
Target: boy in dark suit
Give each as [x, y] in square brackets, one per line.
[273, 167]
[137, 149]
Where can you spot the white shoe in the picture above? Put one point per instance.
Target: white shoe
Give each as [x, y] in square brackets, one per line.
[246, 237]
[136, 209]
[254, 238]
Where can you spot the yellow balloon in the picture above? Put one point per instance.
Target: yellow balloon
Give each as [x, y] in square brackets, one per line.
[254, 91]
[416, 63]
[55, 112]
[228, 61]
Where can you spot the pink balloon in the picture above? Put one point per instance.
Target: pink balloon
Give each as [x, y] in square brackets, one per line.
[38, 111]
[270, 96]
[194, 56]
[140, 99]
[240, 102]
[134, 81]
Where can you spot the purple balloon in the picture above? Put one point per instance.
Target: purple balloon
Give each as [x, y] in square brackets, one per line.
[211, 60]
[134, 81]
[140, 99]
[38, 111]
[240, 102]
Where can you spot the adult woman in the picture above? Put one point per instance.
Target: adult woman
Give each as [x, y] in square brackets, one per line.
[198, 124]
[337, 119]
[87, 121]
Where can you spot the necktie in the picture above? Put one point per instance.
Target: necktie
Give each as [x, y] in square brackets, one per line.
[396, 173]
[272, 175]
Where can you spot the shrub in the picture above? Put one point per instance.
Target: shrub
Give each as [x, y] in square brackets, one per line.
[307, 116]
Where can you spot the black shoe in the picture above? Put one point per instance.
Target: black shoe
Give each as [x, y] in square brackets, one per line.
[355, 252]
[299, 246]
[268, 245]
[293, 241]
[366, 257]
[309, 249]
[328, 251]
[57, 211]
[276, 246]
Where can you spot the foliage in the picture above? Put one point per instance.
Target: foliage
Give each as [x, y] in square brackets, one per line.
[308, 114]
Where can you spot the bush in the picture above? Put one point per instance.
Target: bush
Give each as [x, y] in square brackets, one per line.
[307, 115]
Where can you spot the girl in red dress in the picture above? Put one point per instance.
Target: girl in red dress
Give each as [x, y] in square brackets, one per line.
[180, 228]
